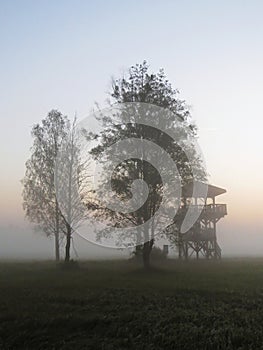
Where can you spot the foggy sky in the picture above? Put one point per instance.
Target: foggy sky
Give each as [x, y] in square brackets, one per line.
[62, 55]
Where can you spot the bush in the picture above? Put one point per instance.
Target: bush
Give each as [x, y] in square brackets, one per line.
[157, 254]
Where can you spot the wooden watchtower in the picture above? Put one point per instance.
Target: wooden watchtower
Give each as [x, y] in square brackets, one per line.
[201, 239]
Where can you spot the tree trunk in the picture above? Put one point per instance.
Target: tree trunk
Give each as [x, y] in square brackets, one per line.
[146, 252]
[146, 256]
[57, 247]
[57, 255]
[68, 241]
[57, 234]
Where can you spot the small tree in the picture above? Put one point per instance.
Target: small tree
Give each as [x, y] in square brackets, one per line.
[39, 197]
[71, 178]
[55, 180]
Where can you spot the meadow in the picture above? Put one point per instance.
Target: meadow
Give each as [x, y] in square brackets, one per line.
[117, 305]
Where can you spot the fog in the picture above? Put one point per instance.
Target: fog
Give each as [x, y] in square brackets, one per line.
[216, 63]
[23, 243]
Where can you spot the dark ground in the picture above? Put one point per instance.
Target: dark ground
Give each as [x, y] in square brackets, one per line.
[116, 305]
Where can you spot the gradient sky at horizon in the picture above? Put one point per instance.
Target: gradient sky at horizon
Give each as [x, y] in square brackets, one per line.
[62, 55]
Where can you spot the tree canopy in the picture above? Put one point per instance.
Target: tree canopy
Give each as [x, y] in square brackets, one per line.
[54, 180]
[152, 95]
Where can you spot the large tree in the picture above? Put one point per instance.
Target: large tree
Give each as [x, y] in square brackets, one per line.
[142, 88]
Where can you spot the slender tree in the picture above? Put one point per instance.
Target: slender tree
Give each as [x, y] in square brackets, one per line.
[39, 195]
[71, 182]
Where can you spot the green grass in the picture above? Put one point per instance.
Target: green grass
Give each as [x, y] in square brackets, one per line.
[117, 305]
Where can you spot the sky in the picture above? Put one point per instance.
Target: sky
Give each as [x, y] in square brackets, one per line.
[62, 55]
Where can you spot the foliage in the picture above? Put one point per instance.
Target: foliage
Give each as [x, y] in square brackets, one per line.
[55, 179]
[71, 181]
[39, 195]
[154, 89]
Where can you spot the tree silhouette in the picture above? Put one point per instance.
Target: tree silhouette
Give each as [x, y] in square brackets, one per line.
[71, 182]
[54, 182]
[142, 87]
[39, 197]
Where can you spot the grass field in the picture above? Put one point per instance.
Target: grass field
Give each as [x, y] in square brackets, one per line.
[116, 305]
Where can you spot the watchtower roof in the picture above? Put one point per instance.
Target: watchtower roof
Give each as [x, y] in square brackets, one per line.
[212, 191]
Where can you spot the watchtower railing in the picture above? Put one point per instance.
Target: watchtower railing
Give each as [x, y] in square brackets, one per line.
[209, 209]
[215, 209]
